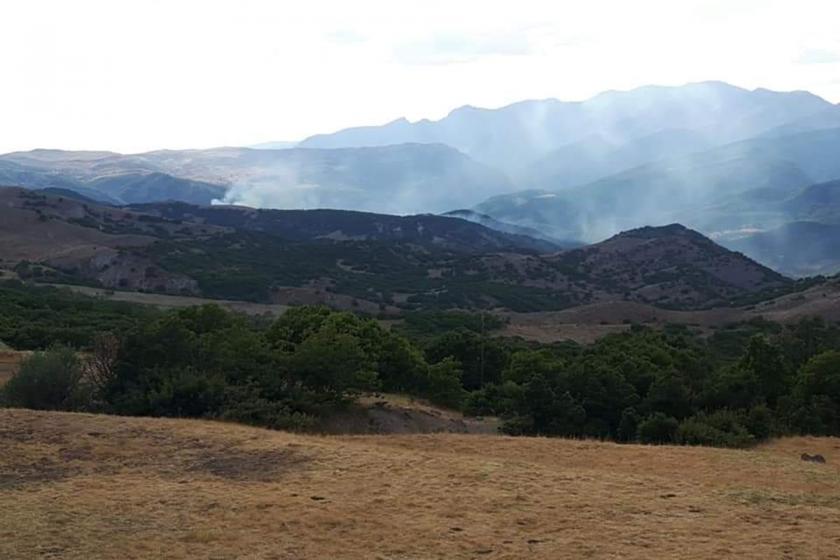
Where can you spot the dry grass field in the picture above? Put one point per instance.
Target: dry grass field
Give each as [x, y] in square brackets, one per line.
[76, 486]
[587, 323]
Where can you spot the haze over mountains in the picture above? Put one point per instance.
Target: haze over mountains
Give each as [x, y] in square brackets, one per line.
[754, 170]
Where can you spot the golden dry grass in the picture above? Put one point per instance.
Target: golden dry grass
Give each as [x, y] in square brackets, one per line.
[587, 323]
[88, 487]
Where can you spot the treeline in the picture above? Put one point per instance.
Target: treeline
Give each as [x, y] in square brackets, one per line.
[674, 386]
[208, 362]
[737, 386]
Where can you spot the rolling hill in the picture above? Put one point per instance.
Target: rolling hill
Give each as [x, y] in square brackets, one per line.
[408, 178]
[71, 485]
[382, 261]
[427, 230]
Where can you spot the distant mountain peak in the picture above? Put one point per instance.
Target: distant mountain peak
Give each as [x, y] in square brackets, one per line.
[658, 231]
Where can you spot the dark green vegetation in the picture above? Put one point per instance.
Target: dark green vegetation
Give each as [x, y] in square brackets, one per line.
[426, 230]
[376, 261]
[36, 317]
[670, 267]
[742, 384]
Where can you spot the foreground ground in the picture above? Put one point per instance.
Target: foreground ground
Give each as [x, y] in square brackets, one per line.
[83, 486]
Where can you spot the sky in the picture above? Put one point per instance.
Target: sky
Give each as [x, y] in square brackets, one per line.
[132, 76]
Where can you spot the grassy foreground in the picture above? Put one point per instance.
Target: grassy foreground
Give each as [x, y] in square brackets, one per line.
[88, 486]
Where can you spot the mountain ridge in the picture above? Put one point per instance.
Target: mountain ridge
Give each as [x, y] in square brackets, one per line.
[378, 262]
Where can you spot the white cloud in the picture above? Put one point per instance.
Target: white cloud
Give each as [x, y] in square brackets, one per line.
[144, 74]
[453, 48]
[818, 56]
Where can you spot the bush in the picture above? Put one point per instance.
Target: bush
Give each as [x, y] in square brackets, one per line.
[658, 428]
[722, 428]
[246, 404]
[49, 380]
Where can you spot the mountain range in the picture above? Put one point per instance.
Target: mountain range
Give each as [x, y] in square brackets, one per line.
[755, 170]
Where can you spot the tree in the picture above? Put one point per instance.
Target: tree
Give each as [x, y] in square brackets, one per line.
[525, 364]
[658, 428]
[401, 365]
[629, 424]
[296, 324]
[482, 359]
[333, 364]
[444, 386]
[669, 394]
[818, 394]
[766, 363]
[49, 380]
[99, 367]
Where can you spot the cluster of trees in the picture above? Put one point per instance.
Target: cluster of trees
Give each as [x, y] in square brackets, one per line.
[739, 385]
[208, 362]
[35, 317]
[674, 386]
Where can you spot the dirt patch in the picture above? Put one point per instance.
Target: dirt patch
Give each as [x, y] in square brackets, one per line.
[43, 451]
[396, 414]
[238, 464]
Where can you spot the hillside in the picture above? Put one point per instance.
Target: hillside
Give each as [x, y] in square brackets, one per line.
[71, 485]
[798, 248]
[407, 178]
[727, 188]
[372, 261]
[670, 266]
[427, 230]
[71, 239]
[492, 223]
[102, 176]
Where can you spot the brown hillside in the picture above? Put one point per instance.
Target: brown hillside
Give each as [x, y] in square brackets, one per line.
[78, 486]
[86, 240]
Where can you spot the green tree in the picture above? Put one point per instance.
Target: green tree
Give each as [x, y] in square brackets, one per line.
[444, 386]
[818, 394]
[333, 364]
[764, 360]
[48, 380]
[658, 428]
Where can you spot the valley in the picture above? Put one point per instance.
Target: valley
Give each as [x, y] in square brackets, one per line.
[420, 280]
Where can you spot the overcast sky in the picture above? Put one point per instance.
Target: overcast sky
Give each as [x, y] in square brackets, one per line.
[139, 75]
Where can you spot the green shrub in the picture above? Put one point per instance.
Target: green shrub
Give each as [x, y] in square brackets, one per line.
[722, 428]
[49, 380]
[247, 405]
[658, 428]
